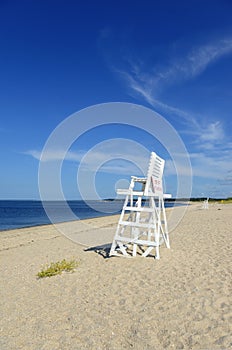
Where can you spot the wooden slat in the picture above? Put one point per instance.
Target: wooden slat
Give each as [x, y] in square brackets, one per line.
[136, 241]
[137, 224]
[143, 209]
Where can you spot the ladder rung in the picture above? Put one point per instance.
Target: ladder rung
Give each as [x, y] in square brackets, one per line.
[137, 224]
[135, 240]
[142, 209]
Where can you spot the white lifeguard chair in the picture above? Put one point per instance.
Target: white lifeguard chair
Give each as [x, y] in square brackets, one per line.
[142, 223]
[205, 204]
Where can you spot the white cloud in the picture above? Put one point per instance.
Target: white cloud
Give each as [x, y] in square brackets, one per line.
[213, 132]
[55, 155]
[201, 57]
[210, 166]
[116, 156]
[149, 83]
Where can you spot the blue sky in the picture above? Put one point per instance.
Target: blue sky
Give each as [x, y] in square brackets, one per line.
[58, 57]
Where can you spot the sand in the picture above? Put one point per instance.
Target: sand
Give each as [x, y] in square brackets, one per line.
[182, 301]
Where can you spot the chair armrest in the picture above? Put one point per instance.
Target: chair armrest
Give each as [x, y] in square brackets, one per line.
[139, 179]
[167, 195]
[124, 191]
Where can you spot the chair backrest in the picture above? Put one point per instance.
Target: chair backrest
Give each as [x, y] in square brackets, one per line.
[154, 183]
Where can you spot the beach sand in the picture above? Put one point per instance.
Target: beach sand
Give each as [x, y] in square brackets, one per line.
[182, 301]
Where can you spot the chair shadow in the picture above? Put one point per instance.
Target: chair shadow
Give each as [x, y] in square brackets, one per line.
[103, 250]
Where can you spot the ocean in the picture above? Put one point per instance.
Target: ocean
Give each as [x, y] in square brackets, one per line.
[26, 213]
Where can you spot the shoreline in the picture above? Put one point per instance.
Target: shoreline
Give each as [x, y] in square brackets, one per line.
[80, 219]
[57, 223]
[181, 301]
[25, 235]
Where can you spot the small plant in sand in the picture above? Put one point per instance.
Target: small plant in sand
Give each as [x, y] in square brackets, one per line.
[57, 268]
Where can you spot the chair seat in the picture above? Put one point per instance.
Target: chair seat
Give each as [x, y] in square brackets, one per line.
[125, 192]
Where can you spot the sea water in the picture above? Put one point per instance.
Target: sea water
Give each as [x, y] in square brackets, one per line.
[25, 213]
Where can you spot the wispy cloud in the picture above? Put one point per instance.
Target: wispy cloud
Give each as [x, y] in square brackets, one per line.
[149, 84]
[210, 166]
[125, 162]
[208, 134]
[227, 180]
[213, 132]
[200, 58]
[193, 63]
[212, 173]
[117, 157]
[54, 155]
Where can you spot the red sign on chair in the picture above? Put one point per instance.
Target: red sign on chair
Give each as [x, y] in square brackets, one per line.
[157, 186]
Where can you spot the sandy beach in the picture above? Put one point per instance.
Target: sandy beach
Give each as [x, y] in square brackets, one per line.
[182, 301]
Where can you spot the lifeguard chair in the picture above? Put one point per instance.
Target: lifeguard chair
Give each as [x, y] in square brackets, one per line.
[142, 223]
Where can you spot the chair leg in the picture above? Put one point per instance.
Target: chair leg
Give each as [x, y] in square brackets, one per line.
[157, 256]
[157, 237]
[123, 249]
[165, 231]
[112, 249]
[147, 251]
[134, 249]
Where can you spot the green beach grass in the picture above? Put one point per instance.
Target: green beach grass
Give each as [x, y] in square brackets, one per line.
[57, 268]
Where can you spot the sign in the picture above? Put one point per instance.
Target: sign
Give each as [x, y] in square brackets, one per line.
[157, 186]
